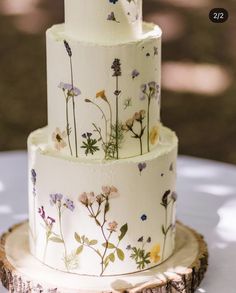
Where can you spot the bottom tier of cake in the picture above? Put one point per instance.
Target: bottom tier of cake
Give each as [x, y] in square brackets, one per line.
[102, 217]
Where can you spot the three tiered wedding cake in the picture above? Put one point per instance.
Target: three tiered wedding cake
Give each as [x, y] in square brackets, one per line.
[102, 173]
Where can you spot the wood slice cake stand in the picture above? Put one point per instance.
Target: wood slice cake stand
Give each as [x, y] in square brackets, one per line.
[183, 272]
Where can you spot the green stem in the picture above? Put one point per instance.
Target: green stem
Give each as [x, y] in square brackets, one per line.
[74, 110]
[104, 254]
[148, 124]
[103, 116]
[110, 117]
[68, 125]
[34, 234]
[62, 237]
[164, 244]
[140, 137]
[117, 117]
[45, 249]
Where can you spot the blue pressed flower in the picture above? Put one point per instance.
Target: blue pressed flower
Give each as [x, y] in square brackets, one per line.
[144, 217]
[113, 1]
[69, 204]
[128, 247]
[56, 197]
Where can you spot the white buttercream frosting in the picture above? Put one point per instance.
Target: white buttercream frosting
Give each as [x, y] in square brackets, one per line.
[65, 214]
[108, 20]
[112, 82]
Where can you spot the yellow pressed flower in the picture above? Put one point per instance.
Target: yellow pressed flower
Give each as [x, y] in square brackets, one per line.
[102, 95]
[154, 253]
[154, 135]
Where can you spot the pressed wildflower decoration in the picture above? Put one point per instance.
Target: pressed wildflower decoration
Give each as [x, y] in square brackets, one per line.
[142, 167]
[48, 226]
[149, 91]
[70, 92]
[116, 66]
[61, 204]
[98, 207]
[90, 144]
[129, 126]
[169, 198]
[58, 137]
[112, 137]
[143, 256]
[34, 181]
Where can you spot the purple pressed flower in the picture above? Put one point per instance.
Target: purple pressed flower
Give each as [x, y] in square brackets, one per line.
[135, 73]
[56, 197]
[42, 212]
[155, 51]
[144, 88]
[142, 166]
[152, 85]
[33, 176]
[112, 17]
[149, 240]
[89, 134]
[154, 89]
[165, 198]
[68, 49]
[84, 135]
[116, 66]
[75, 91]
[69, 204]
[174, 196]
[33, 173]
[72, 91]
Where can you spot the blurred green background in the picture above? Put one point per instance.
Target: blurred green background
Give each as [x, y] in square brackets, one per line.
[199, 70]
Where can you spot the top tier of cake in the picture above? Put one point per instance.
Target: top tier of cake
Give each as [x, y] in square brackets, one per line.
[104, 20]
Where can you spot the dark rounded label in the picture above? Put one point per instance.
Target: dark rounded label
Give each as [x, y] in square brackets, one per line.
[219, 15]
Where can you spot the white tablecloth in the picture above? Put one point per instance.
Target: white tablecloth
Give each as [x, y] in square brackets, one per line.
[207, 202]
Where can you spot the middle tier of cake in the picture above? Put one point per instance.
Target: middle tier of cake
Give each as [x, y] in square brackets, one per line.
[103, 100]
[102, 218]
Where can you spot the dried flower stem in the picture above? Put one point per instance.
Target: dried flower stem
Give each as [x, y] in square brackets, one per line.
[148, 122]
[117, 117]
[74, 110]
[62, 237]
[103, 116]
[67, 123]
[46, 247]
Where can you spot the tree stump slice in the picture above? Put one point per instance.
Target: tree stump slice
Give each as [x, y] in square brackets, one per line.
[182, 273]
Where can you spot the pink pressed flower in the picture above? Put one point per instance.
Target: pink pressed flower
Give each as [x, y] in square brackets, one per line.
[58, 137]
[91, 198]
[106, 190]
[114, 191]
[83, 198]
[112, 226]
[110, 191]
